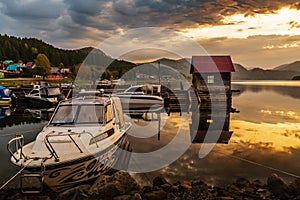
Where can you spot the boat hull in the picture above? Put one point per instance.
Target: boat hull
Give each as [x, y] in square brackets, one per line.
[143, 103]
[65, 175]
[5, 101]
[39, 102]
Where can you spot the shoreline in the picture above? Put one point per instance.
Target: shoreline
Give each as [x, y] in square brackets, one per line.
[122, 186]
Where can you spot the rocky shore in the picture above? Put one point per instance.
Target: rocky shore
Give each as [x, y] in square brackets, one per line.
[121, 186]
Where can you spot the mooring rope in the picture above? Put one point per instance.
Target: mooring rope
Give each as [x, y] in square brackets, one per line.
[259, 164]
[14, 176]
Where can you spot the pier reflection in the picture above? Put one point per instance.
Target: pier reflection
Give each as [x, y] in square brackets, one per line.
[202, 129]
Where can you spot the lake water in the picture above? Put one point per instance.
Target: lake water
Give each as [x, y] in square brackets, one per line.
[266, 138]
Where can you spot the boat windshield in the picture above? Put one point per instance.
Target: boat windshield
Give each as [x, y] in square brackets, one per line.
[78, 114]
[53, 91]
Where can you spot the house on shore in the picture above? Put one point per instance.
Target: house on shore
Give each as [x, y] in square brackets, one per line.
[211, 81]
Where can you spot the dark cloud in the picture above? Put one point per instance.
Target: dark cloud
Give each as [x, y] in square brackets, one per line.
[32, 10]
[77, 23]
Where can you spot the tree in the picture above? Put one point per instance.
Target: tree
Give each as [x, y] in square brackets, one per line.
[43, 67]
[61, 65]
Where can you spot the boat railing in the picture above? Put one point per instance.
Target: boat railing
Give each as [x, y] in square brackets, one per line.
[50, 147]
[19, 143]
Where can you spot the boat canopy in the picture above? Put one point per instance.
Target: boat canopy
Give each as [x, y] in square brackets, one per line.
[5, 92]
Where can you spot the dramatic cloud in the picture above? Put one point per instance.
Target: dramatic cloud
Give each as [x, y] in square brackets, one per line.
[75, 23]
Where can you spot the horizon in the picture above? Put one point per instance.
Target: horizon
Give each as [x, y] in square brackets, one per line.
[257, 34]
[153, 60]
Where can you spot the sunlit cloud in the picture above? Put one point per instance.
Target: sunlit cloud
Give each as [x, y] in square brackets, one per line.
[294, 44]
[289, 114]
[281, 22]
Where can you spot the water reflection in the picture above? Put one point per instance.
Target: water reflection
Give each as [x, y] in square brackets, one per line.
[6, 111]
[266, 140]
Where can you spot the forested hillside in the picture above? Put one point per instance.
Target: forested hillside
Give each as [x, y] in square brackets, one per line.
[26, 50]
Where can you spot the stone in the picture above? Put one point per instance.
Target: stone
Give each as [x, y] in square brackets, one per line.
[123, 197]
[146, 189]
[79, 192]
[185, 185]
[242, 183]
[110, 190]
[278, 186]
[136, 196]
[295, 186]
[155, 195]
[159, 180]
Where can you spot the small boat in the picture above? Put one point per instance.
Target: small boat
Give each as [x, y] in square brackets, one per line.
[44, 96]
[83, 139]
[6, 96]
[5, 112]
[141, 98]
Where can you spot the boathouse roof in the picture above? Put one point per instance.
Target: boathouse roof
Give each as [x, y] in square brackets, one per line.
[206, 64]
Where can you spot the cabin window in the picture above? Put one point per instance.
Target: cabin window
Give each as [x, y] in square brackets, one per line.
[34, 92]
[53, 91]
[211, 79]
[108, 113]
[90, 114]
[64, 115]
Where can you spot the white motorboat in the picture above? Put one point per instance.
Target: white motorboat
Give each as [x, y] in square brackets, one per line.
[141, 98]
[83, 139]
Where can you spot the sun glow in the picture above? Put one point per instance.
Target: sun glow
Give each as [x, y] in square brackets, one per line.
[281, 22]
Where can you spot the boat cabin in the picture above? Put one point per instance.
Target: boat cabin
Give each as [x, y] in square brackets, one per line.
[148, 89]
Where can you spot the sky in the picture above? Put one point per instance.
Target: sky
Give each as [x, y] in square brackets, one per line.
[254, 33]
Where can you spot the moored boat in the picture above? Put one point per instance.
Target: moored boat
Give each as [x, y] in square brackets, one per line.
[44, 96]
[141, 98]
[6, 96]
[82, 140]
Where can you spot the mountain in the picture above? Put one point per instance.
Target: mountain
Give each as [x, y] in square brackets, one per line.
[27, 49]
[241, 73]
[295, 66]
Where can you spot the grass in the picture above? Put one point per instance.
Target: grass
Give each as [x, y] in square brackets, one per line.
[13, 82]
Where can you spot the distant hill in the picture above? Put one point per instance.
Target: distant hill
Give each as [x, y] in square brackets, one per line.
[182, 65]
[295, 66]
[260, 74]
[26, 50]
[241, 72]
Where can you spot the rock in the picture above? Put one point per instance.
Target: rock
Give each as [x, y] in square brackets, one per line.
[278, 186]
[136, 196]
[197, 182]
[146, 189]
[118, 184]
[79, 192]
[109, 190]
[184, 185]
[155, 195]
[127, 182]
[242, 183]
[295, 186]
[123, 197]
[159, 180]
